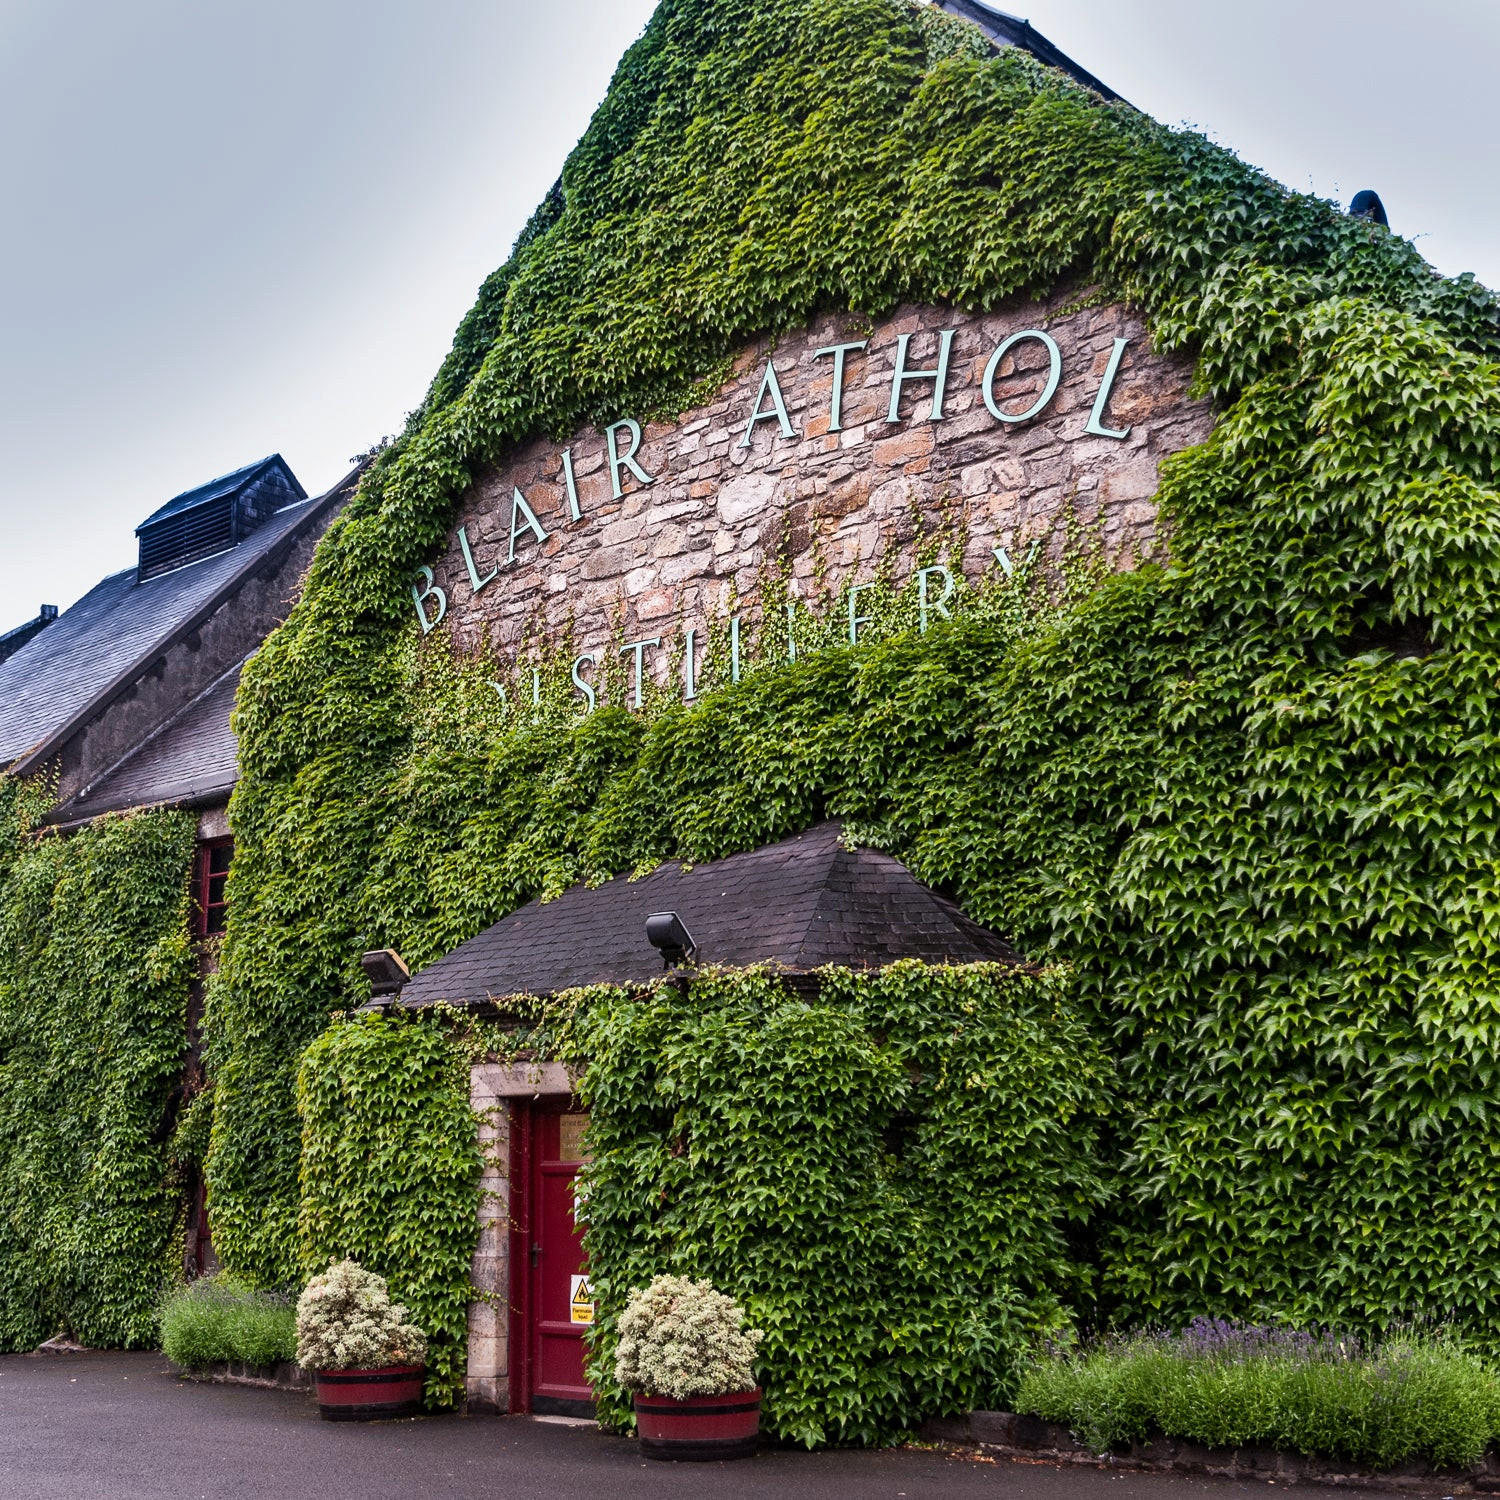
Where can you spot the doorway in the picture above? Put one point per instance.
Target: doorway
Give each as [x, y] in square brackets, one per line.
[552, 1306]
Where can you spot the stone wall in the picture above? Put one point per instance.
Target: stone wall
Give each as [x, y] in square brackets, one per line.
[494, 1089]
[667, 555]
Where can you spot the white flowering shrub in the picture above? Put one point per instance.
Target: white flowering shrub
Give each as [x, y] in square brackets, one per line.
[347, 1321]
[681, 1338]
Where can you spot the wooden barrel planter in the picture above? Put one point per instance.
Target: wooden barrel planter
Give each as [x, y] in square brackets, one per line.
[366, 1395]
[701, 1428]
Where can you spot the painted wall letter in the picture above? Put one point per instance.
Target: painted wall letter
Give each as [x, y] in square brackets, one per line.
[518, 509]
[791, 631]
[926, 606]
[856, 619]
[592, 658]
[836, 399]
[1054, 374]
[499, 687]
[734, 648]
[689, 667]
[1006, 565]
[1096, 427]
[639, 647]
[574, 514]
[430, 589]
[475, 581]
[626, 459]
[939, 376]
[768, 382]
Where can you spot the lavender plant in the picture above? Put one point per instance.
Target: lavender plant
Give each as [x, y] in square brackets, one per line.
[1228, 1384]
[221, 1319]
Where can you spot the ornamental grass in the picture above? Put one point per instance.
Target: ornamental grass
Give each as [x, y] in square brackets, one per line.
[1416, 1395]
[221, 1320]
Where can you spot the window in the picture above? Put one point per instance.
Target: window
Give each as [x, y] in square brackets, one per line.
[210, 873]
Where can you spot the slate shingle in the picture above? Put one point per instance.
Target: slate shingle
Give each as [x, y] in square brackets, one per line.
[800, 904]
[190, 758]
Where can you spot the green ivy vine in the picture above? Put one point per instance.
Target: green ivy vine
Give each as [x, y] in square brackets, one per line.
[390, 1174]
[95, 965]
[886, 1176]
[895, 1177]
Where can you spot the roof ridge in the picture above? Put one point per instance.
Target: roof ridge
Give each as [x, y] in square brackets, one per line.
[789, 904]
[825, 892]
[210, 489]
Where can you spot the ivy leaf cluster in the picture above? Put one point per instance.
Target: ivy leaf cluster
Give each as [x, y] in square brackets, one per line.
[95, 967]
[390, 1166]
[895, 1178]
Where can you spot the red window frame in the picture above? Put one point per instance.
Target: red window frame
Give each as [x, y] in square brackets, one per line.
[210, 874]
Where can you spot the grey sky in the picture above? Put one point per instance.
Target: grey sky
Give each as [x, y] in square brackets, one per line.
[233, 228]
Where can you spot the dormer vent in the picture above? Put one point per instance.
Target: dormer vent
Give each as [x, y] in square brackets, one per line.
[216, 516]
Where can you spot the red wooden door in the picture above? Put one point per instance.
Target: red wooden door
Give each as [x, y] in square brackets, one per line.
[558, 1306]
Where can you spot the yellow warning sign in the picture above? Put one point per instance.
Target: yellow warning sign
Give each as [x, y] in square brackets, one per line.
[581, 1301]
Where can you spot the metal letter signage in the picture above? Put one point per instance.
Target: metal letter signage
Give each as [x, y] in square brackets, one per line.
[769, 382]
[939, 376]
[836, 398]
[686, 549]
[689, 667]
[627, 458]
[475, 581]
[639, 647]
[519, 508]
[574, 513]
[926, 606]
[592, 658]
[430, 590]
[1054, 374]
[1096, 427]
[856, 619]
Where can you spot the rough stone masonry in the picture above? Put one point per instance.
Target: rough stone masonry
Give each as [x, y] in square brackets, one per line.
[675, 553]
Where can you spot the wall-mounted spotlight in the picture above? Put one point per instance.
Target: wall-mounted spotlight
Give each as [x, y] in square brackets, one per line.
[385, 970]
[666, 930]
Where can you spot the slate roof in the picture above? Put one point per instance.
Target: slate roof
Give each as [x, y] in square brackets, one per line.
[225, 484]
[113, 631]
[802, 903]
[1006, 30]
[192, 758]
[18, 635]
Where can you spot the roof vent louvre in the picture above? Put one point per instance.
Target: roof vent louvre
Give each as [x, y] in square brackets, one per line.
[214, 517]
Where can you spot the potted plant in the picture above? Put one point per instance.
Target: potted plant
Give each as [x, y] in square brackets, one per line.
[366, 1357]
[686, 1354]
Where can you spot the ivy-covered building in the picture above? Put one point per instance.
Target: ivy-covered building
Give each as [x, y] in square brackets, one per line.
[883, 424]
[120, 760]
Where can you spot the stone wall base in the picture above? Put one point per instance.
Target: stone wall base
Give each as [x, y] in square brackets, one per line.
[1006, 1433]
[283, 1377]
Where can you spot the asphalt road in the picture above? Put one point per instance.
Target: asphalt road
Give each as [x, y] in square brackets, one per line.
[121, 1427]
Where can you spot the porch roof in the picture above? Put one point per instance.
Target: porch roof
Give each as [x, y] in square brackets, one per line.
[798, 904]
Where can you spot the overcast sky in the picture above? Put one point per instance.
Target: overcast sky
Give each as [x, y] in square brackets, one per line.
[234, 228]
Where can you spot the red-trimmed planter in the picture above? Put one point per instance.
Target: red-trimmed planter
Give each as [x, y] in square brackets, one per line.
[365, 1395]
[701, 1428]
